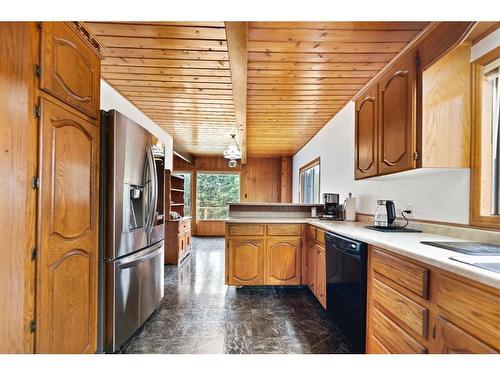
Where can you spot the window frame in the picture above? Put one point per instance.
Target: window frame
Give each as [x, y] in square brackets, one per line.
[195, 190]
[475, 216]
[311, 164]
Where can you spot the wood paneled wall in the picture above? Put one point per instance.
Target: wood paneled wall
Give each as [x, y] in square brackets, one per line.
[261, 180]
[18, 142]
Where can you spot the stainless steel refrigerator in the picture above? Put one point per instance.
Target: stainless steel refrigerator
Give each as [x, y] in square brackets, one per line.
[131, 226]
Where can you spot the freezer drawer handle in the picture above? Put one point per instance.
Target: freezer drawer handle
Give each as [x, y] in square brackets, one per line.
[136, 260]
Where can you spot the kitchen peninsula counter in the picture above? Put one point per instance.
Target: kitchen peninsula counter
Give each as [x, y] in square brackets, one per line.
[404, 244]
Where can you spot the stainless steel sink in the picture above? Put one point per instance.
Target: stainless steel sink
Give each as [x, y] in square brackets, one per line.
[490, 266]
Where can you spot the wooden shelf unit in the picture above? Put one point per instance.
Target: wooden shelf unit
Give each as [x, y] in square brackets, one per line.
[177, 231]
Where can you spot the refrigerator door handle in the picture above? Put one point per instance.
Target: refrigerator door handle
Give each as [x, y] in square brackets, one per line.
[153, 187]
[136, 259]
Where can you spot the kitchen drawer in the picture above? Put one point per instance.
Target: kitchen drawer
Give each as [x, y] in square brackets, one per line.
[320, 236]
[410, 276]
[376, 347]
[311, 232]
[284, 229]
[392, 337]
[184, 226]
[246, 229]
[473, 306]
[410, 313]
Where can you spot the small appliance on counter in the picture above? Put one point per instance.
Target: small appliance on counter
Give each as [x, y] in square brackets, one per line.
[385, 218]
[332, 209]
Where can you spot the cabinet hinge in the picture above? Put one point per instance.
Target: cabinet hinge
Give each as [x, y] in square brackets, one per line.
[39, 25]
[35, 183]
[415, 155]
[417, 61]
[434, 332]
[38, 70]
[38, 111]
[32, 326]
[34, 254]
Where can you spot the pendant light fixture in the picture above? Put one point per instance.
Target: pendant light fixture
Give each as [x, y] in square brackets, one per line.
[232, 152]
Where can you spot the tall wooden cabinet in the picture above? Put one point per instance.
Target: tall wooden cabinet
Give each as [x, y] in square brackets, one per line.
[52, 72]
[67, 260]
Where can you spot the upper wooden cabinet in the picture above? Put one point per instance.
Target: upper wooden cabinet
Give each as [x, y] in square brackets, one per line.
[414, 118]
[366, 134]
[69, 70]
[397, 109]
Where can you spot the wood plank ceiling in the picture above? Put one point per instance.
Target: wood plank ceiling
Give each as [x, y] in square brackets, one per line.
[178, 74]
[299, 75]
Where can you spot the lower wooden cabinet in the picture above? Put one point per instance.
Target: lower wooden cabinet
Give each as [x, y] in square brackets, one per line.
[245, 262]
[316, 271]
[282, 261]
[177, 240]
[454, 340]
[260, 254]
[457, 315]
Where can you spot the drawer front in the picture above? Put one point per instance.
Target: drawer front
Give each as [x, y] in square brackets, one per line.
[320, 236]
[311, 232]
[184, 226]
[246, 229]
[284, 230]
[472, 305]
[70, 69]
[410, 276]
[376, 347]
[393, 337]
[414, 316]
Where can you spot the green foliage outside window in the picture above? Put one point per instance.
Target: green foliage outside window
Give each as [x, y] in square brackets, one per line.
[213, 194]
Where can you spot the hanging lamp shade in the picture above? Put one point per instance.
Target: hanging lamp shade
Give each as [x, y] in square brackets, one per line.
[232, 150]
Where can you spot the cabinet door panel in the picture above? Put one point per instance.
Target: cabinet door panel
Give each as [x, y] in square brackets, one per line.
[70, 70]
[320, 270]
[397, 94]
[245, 259]
[366, 135]
[68, 259]
[282, 261]
[311, 257]
[453, 340]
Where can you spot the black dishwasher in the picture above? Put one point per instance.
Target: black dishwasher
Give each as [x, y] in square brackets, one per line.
[346, 268]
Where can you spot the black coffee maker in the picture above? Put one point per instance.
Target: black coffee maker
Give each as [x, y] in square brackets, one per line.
[332, 209]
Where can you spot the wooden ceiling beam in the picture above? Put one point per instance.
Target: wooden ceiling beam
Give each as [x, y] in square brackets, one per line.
[237, 40]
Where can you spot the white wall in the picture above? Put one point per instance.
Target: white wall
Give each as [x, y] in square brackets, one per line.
[112, 99]
[441, 195]
[438, 194]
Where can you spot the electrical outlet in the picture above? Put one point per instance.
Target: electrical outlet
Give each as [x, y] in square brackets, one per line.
[409, 207]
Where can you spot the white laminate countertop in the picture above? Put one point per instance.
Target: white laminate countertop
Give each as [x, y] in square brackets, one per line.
[406, 244]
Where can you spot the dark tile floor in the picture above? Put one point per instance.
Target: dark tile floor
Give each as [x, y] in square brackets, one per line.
[200, 314]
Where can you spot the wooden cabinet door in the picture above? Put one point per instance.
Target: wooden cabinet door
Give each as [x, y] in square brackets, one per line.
[453, 340]
[68, 233]
[320, 270]
[245, 262]
[311, 257]
[304, 263]
[282, 261]
[397, 123]
[70, 70]
[366, 135]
